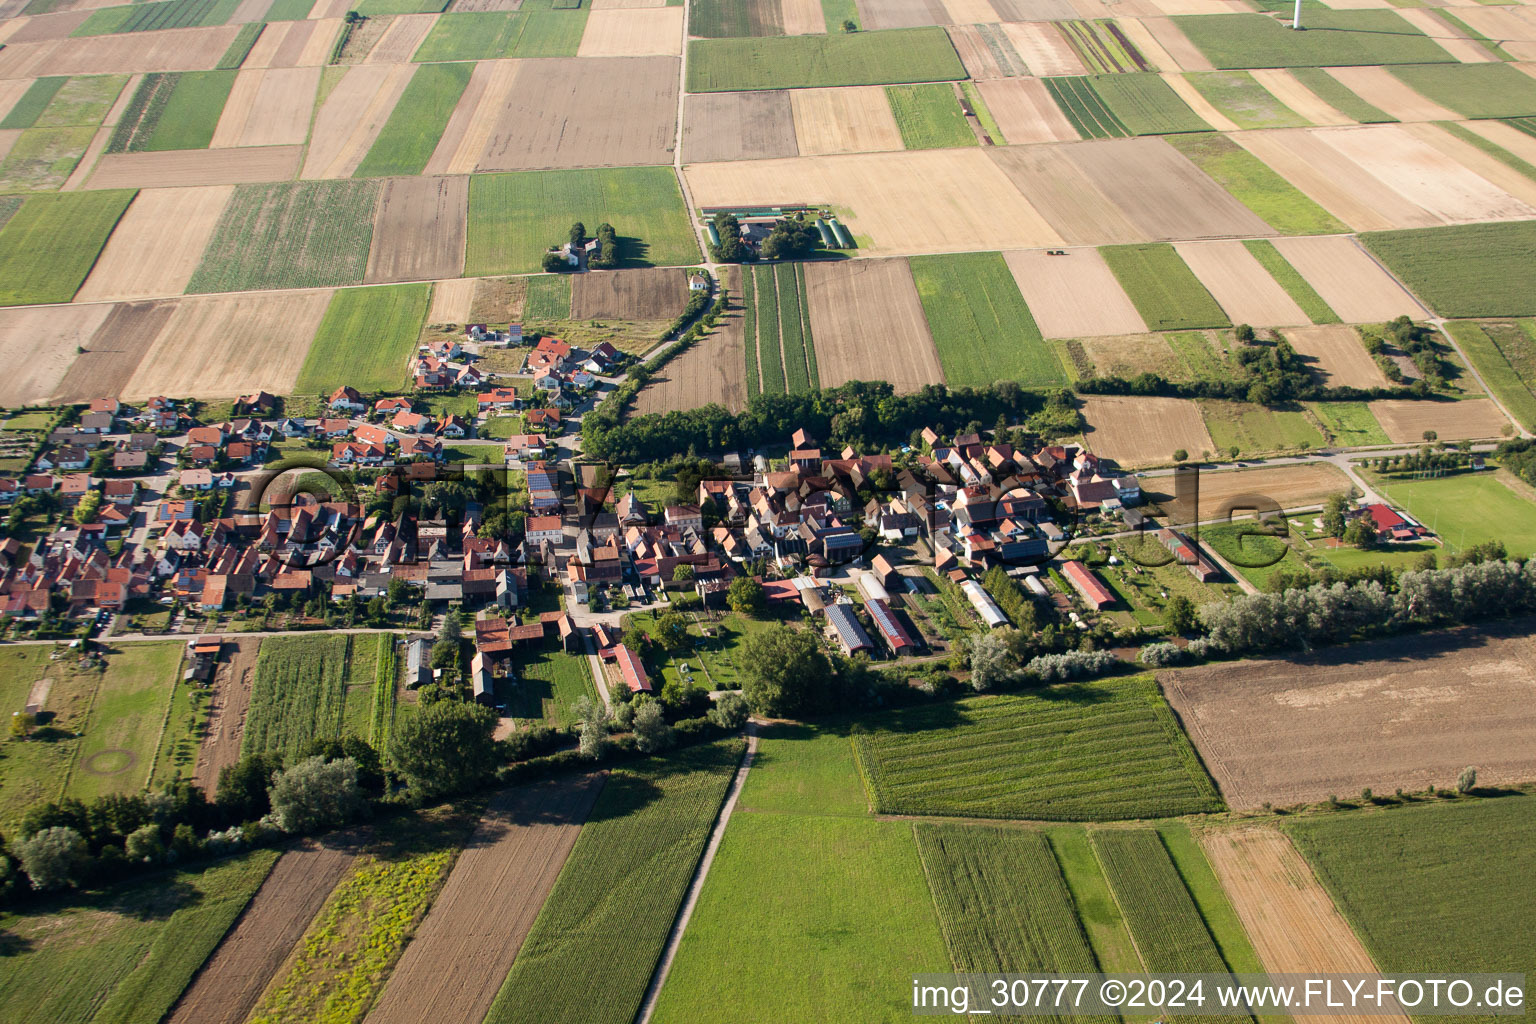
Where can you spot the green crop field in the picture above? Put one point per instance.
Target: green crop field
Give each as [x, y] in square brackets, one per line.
[797, 345]
[139, 119]
[305, 234]
[778, 331]
[173, 111]
[1468, 270]
[1163, 289]
[42, 159]
[1103, 750]
[122, 733]
[386, 679]
[1085, 108]
[82, 101]
[1102, 46]
[1147, 105]
[889, 57]
[298, 693]
[410, 135]
[486, 35]
[289, 10]
[1339, 96]
[1210, 898]
[549, 298]
[811, 918]
[722, 19]
[1096, 909]
[1466, 510]
[804, 769]
[749, 331]
[549, 682]
[51, 243]
[983, 114]
[366, 339]
[26, 110]
[240, 48]
[1296, 286]
[153, 17]
[929, 116]
[981, 327]
[183, 735]
[769, 335]
[1331, 39]
[1474, 90]
[619, 891]
[1504, 353]
[1280, 204]
[1349, 424]
[1245, 101]
[514, 218]
[1433, 887]
[1255, 429]
[122, 954]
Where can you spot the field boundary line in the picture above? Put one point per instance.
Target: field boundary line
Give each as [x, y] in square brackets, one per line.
[1109, 887]
[696, 884]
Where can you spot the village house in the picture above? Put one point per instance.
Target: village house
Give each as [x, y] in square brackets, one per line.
[346, 399]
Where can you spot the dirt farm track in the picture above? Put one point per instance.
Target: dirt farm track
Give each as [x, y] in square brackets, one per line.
[1376, 715]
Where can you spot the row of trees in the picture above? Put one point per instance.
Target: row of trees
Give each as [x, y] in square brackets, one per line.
[791, 238]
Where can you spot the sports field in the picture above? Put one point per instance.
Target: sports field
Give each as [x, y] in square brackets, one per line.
[1469, 509]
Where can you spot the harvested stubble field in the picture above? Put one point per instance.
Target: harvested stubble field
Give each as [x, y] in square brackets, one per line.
[268, 107]
[981, 327]
[157, 245]
[1298, 729]
[1338, 356]
[1105, 750]
[849, 120]
[419, 230]
[1065, 197]
[1473, 90]
[1143, 431]
[352, 116]
[112, 352]
[196, 167]
[1240, 285]
[366, 339]
[860, 58]
[1348, 280]
[1405, 421]
[890, 14]
[39, 344]
[469, 126]
[1281, 205]
[869, 324]
[642, 32]
[653, 294]
[986, 51]
[1025, 111]
[410, 136]
[401, 39]
[1231, 491]
[712, 371]
[182, 49]
[1054, 286]
[51, 242]
[1467, 271]
[739, 126]
[1165, 291]
[288, 44]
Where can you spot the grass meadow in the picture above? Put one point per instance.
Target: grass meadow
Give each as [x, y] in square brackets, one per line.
[189, 113]
[1342, 98]
[1349, 424]
[549, 682]
[50, 244]
[129, 710]
[1504, 353]
[929, 116]
[1467, 270]
[981, 327]
[366, 339]
[1277, 202]
[410, 135]
[889, 57]
[1332, 39]
[1255, 429]
[42, 159]
[82, 100]
[1163, 289]
[1296, 286]
[298, 694]
[549, 298]
[1101, 918]
[805, 769]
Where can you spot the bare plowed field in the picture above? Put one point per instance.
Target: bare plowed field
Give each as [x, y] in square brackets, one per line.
[418, 230]
[1138, 431]
[37, 346]
[1348, 280]
[291, 44]
[1025, 111]
[179, 49]
[114, 351]
[157, 245]
[220, 346]
[1236, 491]
[46, 26]
[1404, 712]
[890, 198]
[869, 325]
[876, 14]
[230, 699]
[1073, 296]
[1044, 50]
[1036, 10]
[1484, 165]
[196, 167]
[1078, 211]
[401, 39]
[469, 127]
[986, 59]
[268, 107]
[226, 989]
[352, 116]
[1336, 353]
[653, 294]
[1161, 192]
[802, 17]
[1286, 88]
[738, 126]
[713, 370]
[459, 957]
[452, 301]
[566, 113]
[645, 32]
[852, 120]
[1337, 183]
[1385, 91]
[1287, 914]
[1405, 421]
[1240, 284]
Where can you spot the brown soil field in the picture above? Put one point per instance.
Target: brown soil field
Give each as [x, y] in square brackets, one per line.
[8, 137]
[196, 167]
[39, 343]
[1512, 139]
[654, 294]
[1069, 202]
[1352, 283]
[1148, 44]
[179, 49]
[220, 346]
[287, 44]
[801, 17]
[565, 112]
[230, 699]
[738, 126]
[888, 198]
[1289, 916]
[10, 92]
[1044, 49]
[1186, 55]
[1073, 296]
[82, 171]
[157, 245]
[1240, 284]
[1337, 183]
[1336, 353]
[1381, 88]
[980, 62]
[418, 230]
[876, 14]
[1025, 111]
[498, 300]
[1485, 166]
[1232, 492]
[1161, 192]
[1405, 420]
[852, 120]
[48, 26]
[1287, 88]
[1197, 102]
[114, 351]
[1036, 10]
[268, 107]
[971, 12]
[468, 128]
[352, 116]
[227, 987]
[643, 32]
[400, 41]
[1404, 712]
[452, 301]
[713, 370]
[1140, 431]
[868, 324]
[461, 953]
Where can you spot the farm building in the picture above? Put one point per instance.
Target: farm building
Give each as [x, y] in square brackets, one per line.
[850, 634]
[1189, 555]
[987, 608]
[1087, 584]
[871, 588]
[485, 686]
[631, 670]
[1391, 524]
[892, 632]
[418, 663]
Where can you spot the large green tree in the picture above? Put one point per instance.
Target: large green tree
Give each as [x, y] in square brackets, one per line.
[445, 748]
[785, 667]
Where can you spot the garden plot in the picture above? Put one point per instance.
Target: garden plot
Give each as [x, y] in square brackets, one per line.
[645, 32]
[419, 230]
[39, 343]
[564, 112]
[114, 351]
[856, 119]
[1333, 180]
[196, 167]
[1073, 296]
[401, 39]
[157, 245]
[987, 52]
[1380, 88]
[1404, 712]
[1025, 111]
[291, 44]
[1045, 50]
[652, 294]
[1338, 355]
[1405, 421]
[1078, 211]
[1243, 288]
[713, 370]
[878, 14]
[1143, 431]
[1352, 283]
[738, 126]
[220, 346]
[352, 116]
[180, 49]
[469, 126]
[268, 107]
[869, 324]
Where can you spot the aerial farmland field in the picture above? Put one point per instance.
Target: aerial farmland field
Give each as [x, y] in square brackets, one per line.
[981, 327]
[50, 243]
[366, 339]
[862, 58]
